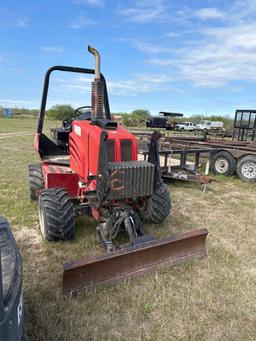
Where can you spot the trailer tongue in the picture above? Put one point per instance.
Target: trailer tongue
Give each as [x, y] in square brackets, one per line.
[133, 261]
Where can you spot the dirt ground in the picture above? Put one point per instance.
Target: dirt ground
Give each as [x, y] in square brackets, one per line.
[209, 299]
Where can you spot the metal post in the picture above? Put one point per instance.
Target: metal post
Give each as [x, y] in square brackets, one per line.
[197, 159]
[165, 161]
[181, 159]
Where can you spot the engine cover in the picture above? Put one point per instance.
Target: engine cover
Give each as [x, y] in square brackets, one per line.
[130, 180]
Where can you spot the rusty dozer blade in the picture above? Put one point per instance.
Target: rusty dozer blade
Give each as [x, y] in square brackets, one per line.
[133, 261]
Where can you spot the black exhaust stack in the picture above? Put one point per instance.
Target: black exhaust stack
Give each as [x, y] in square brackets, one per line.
[97, 88]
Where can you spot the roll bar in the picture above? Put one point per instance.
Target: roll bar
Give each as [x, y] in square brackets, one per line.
[67, 69]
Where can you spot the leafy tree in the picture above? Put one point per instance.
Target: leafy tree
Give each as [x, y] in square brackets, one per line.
[140, 114]
[135, 118]
[60, 111]
[126, 119]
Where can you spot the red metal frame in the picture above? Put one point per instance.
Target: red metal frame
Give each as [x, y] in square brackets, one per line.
[84, 145]
[61, 176]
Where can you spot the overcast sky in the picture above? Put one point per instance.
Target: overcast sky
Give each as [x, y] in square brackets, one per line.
[184, 56]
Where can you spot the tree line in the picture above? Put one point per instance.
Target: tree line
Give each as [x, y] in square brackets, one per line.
[136, 118]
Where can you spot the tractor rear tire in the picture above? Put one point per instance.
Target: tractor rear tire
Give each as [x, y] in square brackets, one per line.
[56, 215]
[157, 207]
[223, 163]
[35, 180]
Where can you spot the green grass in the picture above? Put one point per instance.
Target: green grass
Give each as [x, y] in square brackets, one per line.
[17, 123]
[209, 299]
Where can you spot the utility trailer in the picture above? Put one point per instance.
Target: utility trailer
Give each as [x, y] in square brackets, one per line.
[229, 157]
[244, 125]
[210, 127]
[11, 295]
[157, 122]
[161, 121]
[184, 163]
[178, 161]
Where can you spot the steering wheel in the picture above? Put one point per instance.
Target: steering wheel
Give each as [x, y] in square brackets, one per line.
[67, 123]
[78, 112]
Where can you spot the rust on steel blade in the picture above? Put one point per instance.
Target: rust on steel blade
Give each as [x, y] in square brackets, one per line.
[133, 261]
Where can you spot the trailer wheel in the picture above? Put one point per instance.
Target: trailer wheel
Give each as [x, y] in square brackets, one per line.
[246, 168]
[56, 215]
[35, 180]
[157, 207]
[223, 163]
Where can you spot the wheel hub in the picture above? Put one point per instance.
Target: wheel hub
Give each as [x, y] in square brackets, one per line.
[221, 165]
[248, 169]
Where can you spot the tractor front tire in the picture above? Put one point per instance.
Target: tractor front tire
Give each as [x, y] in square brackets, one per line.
[56, 215]
[35, 180]
[157, 208]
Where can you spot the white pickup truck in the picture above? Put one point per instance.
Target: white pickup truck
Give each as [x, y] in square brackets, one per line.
[210, 125]
[189, 126]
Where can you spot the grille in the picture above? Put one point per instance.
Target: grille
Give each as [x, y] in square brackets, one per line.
[97, 99]
[126, 150]
[74, 151]
[130, 179]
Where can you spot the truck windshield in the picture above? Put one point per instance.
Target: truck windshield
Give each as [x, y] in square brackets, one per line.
[205, 123]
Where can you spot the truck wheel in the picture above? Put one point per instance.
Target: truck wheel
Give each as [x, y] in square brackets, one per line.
[223, 163]
[56, 215]
[157, 207]
[35, 180]
[246, 168]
